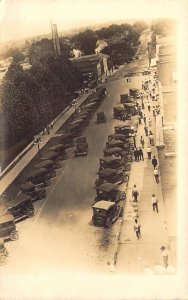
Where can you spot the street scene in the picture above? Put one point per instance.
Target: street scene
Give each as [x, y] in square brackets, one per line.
[93, 188]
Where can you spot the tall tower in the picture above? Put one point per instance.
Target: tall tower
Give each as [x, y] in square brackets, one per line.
[55, 39]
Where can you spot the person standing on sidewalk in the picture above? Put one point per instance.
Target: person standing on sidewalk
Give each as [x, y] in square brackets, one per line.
[149, 152]
[154, 162]
[146, 130]
[164, 253]
[144, 117]
[136, 154]
[137, 229]
[142, 142]
[154, 203]
[140, 154]
[156, 174]
[135, 193]
[149, 106]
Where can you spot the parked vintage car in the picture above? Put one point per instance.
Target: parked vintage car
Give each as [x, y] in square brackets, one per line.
[35, 192]
[130, 108]
[105, 213]
[7, 225]
[39, 176]
[115, 143]
[81, 140]
[55, 157]
[21, 206]
[49, 165]
[135, 93]
[118, 152]
[110, 192]
[81, 149]
[74, 130]
[125, 98]
[127, 130]
[101, 118]
[61, 150]
[116, 136]
[91, 106]
[121, 113]
[112, 176]
[114, 163]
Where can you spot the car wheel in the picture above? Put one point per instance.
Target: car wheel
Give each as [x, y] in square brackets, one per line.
[126, 178]
[47, 182]
[101, 168]
[3, 259]
[42, 194]
[14, 236]
[30, 212]
[53, 174]
[97, 182]
[94, 221]
[108, 223]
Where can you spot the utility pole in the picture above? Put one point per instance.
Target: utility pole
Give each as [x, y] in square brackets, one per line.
[55, 39]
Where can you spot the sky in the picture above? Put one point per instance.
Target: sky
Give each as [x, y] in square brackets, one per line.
[27, 18]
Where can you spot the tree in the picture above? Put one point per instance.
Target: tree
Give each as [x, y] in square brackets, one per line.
[139, 26]
[85, 41]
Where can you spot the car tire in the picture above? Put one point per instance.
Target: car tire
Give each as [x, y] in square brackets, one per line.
[94, 221]
[126, 178]
[3, 259]
[97, 182]
[30, 212]
[14, 236]
[47, 182]
[42, 194]
[53, 174]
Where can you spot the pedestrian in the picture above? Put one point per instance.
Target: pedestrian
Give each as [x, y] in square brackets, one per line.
[135, 193]
[154, 162]
[139, 120]
[140, 154]
[48, 129]
[52, 125]
[142, 142]
[142, 103]
[156, 174]
[154, 203]
[136, 154]
[150, 137]
[149, 152]
[164, 253]
[149, 122]
[144, 117]
[149, 106]
[127, 79]
[146, 130]
[137, 229]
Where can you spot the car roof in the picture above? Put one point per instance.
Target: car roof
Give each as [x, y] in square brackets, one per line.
[112, 142]
[90, 104]
[38, 171]
[106, 187]
[57, 146]
[103, 204]
[110, 158]
[134, 89]
[116, 135]
[28, 186]
[107, 171]
[51, 154]
[44, 164]
[112, 150]
[65, 135]
[19, 199]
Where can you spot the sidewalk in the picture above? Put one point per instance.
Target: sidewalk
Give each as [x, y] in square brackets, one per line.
[8, 178]
[138, 256]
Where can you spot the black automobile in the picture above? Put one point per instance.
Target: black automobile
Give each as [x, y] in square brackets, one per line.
[112, 176]
[110, 192]
[91, 106]
[105, 213]
[49, 165]
[125, 98]
[114, 163]
[61, 150]
[115, 143]
[130, 108]
[7, 225]
[66, 140]
[116, 136]
[35, 192]
[121, 113]
[74, 129]
[101, 118]
[118, 152]
[21, 206]
[81, 140]
[81, 149]
[39, 176]
[135, 93]
[55, 157]
[124, 129]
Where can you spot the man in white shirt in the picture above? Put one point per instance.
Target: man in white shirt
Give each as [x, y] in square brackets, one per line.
[154, 203]
[164, 253]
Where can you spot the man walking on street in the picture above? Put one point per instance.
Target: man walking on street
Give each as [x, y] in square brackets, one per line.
[140, 154]
[137, 229]
[149, 152]
[154, 162]
[154, 203]
[146, 130]
[136, 154]
[135, 193]
[149, 106]
[164, 253]
[156, 174]
[144, 117]
[142, 142]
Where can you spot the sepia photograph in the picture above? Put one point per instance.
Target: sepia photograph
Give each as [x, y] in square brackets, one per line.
[93, 149]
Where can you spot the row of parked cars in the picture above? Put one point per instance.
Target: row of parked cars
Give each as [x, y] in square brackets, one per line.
[44, 169]
[114, 166]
